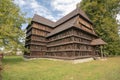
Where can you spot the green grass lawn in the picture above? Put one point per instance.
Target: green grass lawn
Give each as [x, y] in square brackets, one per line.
[15, 68]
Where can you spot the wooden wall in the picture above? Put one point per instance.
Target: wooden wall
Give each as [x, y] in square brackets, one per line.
[72, 43]
[36, 39]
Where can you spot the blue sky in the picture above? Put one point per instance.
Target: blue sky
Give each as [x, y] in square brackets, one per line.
[50, 9]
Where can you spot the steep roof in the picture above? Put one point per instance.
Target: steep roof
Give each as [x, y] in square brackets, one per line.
[62, 24]
[98, 41]
[71, 23]
[42, 20]
[75, 12]
[63, 27]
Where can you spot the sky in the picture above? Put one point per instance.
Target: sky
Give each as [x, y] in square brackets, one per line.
[50, 9]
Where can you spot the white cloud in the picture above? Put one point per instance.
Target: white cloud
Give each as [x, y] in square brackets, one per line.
[64, 6]
[20, 2]
[118, 17]
[35, 7]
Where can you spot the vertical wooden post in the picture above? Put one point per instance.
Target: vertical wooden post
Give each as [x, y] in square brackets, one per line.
[73, 54]
[101, 47]
[93, 52]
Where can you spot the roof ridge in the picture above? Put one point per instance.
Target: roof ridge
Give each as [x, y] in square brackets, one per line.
[82, 13]
[64, 18]
[75, 20]
[64, 26]
[73, 13]
[39, 19]
[43, 17]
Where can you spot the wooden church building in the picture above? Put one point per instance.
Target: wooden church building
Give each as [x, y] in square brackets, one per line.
[71, 37]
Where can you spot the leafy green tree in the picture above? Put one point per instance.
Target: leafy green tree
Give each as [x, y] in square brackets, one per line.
[103, 14]
[11, 19]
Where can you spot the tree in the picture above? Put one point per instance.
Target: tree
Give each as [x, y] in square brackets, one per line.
[11, 20]
[103, 14]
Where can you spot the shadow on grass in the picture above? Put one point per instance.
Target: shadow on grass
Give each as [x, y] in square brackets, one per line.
[12, 59]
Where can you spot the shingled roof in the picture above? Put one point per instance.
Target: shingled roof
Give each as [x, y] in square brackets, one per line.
[75, 12]
[63, 27]
[67, 25]
[98, 42]
[60, 25]
[42, 20]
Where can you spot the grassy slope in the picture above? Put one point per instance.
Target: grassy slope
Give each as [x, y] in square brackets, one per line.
[15, 68]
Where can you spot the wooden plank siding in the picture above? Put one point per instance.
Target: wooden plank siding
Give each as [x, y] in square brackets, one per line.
[68, 38]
